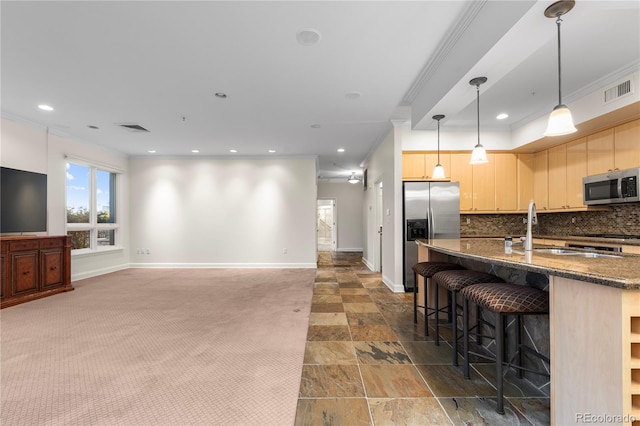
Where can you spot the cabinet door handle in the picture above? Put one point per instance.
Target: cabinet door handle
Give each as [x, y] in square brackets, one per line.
[53, 268]
[25, 273]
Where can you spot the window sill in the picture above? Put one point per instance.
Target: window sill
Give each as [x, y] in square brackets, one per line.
[89, 253]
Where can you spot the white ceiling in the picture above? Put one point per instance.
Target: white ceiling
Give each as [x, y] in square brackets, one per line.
[159, 64]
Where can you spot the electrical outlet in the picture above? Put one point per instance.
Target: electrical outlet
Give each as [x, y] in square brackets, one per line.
[573, 220]
[524, 220]
[468, 221]
[284, 251]
[147, 251]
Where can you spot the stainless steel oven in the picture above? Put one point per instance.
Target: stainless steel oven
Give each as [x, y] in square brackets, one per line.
[611, 188]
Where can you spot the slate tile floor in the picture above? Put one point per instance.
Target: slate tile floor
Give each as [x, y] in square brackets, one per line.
[366, 363]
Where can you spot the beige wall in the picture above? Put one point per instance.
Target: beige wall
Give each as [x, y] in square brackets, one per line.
[384, 165]
[212, 212]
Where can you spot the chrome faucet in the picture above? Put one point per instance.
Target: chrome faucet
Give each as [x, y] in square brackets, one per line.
[532, 219]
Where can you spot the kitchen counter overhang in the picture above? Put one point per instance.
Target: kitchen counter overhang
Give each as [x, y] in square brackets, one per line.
[621, 272]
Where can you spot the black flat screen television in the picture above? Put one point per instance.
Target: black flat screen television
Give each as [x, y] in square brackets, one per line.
[23, 201]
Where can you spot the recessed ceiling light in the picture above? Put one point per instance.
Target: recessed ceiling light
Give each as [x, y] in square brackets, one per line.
[272, 151]
[340, 149]
[502, 116]
[308, 37]
[352, 95]
[152, 151]
[221, 95]
[45, 107]
[233, 150]
[93, 127]
[195, 151]
[315, 126]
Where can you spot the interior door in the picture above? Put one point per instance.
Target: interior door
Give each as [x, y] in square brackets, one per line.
[326, 225]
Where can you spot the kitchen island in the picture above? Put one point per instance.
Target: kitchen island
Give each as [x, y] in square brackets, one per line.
[594, 325]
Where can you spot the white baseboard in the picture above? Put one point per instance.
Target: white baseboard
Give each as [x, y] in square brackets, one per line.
[367, 264]
[226, 265]
[392, 286]
[385, 280]
[348, 250]
[97, 272]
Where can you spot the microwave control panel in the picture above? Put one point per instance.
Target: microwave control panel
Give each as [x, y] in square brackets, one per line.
[629, 187]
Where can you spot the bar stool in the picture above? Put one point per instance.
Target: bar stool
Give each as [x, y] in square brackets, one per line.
[504, 299]
[426, 270]
[454, 281]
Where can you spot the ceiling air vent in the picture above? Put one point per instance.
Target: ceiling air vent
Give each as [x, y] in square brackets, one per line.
[133, 127]
[617, 91]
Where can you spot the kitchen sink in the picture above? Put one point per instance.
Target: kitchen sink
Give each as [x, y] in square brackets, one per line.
[566, 252]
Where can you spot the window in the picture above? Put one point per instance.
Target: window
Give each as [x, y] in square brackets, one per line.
[92, 222]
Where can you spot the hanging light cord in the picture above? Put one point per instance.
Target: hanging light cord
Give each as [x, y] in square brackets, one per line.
[478, 109]
[438, 142]
[558, 21]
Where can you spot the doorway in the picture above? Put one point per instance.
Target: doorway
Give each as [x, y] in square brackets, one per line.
[326, 225]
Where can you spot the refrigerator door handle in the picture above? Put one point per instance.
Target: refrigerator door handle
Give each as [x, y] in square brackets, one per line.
[432, 228]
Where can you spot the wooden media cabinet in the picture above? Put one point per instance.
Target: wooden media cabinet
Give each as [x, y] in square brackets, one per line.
[33, 267]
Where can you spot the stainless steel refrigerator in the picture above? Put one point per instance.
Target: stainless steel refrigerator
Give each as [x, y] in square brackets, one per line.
[431, 211]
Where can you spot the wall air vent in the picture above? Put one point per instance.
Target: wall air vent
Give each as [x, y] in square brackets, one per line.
[617, 91]
[132, 127]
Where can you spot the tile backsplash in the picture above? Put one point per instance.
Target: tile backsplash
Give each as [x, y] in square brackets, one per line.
[618, 219]
[497, 225]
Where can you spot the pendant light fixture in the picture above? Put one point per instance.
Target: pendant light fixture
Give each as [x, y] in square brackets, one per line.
[479, 154]
[438, 170]
[353, 178]
[560, 120]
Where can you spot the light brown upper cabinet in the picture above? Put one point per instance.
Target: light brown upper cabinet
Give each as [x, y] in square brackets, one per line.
[491, 187]
[627, 145]
[614, 149]
[487, 187]
[419, 166]
[484, 185]
[413, 166]
[600, 152]
[461, 172]
[551, 177]
[506, 182]
[567, 165]
[541, 180]
[576, 170]
[525, 180]
[557, 175]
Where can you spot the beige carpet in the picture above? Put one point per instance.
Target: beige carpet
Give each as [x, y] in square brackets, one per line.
[159, 347]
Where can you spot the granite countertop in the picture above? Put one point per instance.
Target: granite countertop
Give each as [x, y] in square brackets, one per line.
[591, 240]
[621, 272]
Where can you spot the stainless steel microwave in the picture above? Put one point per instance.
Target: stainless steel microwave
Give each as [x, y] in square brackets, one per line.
[611, 188]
